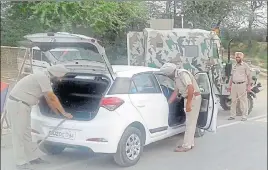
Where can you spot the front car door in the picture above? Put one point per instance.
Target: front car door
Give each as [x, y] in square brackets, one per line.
[209, 109]
[147, 98]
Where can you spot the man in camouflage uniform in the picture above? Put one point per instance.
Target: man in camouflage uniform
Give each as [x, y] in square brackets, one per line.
[187, 87]
[239, 85]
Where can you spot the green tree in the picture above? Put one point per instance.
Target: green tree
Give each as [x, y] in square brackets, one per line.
[106, 20]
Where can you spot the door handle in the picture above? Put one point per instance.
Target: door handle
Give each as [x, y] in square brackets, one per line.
[140, 105]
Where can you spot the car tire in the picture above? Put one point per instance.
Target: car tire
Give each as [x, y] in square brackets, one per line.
[199, 132]
[123, 157]
[51, 149]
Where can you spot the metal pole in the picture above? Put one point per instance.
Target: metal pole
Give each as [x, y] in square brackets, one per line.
[182, 14]
[181, 20]
[22, 65]
[31, 59]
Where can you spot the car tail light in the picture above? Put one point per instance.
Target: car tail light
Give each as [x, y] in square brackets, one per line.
[111, 103]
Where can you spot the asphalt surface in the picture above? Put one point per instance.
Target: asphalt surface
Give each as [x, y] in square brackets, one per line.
[236, 146]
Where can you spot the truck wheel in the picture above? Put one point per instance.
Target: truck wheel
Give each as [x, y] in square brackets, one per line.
[129, 148]
[199, 132]
[225, 102]
[250, 107]
[51, 149]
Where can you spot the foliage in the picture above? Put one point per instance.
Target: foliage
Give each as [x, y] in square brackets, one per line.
[107, 20]
[205, 14]
[18, 22]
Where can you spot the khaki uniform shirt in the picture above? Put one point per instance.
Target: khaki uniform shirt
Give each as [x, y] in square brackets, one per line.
[241, 73]
[183, 78]
[32, 87]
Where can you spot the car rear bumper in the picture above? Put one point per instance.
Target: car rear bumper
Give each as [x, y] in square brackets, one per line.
[101, 135]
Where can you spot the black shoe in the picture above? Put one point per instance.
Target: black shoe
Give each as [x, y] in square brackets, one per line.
[231, 118]
[24, 167]
[39, 161]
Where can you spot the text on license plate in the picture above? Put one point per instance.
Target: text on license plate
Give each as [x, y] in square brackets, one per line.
[65, 134]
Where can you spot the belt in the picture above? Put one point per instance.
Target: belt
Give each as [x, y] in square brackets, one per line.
[239, 82]
[17, 100]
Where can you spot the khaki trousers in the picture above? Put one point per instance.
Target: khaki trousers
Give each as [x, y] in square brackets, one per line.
[191, 121]
[239, 92]
[20, 119]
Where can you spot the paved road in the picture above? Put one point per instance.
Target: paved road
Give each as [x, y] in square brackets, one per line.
[236, 146]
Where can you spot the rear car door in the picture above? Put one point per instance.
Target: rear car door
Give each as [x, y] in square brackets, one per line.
[209, 108]
[147, 98]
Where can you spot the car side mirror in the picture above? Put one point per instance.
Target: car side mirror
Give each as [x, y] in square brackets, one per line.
[228, 69]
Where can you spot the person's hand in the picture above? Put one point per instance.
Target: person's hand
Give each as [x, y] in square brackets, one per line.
[68, 115]
[249, 89]
[188, 107]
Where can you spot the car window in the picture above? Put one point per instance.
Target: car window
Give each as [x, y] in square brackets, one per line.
[165, 81]
[144, 83]
[203, 83]
[44, 58]
[37, 55]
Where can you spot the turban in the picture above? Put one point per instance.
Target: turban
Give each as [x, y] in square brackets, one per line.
[168, 68]
[240, 54]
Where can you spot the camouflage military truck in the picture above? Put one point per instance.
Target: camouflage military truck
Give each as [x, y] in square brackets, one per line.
[192, 49]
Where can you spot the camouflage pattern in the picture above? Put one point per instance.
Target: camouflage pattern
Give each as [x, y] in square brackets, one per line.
[192, 49]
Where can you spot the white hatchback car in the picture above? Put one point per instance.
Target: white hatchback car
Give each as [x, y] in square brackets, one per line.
[116, 109]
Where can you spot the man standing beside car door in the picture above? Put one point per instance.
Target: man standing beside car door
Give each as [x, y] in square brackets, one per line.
[187, 87]
[240, 83]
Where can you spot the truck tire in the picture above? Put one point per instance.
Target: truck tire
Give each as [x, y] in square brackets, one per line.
[123, 156]
[51, 149]
[225, 102]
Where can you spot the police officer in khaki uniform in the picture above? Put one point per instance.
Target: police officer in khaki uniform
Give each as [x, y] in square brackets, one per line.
[187, 87]
[23, 96]
[239, 85]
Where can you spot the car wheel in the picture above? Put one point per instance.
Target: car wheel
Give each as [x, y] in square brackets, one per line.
[51, 149]
[129, 148]
[199, 132]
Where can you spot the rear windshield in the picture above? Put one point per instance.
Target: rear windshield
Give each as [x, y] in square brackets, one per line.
[69, 54]
[121, 85]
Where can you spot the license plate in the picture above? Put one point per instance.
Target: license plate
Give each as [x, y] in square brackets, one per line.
[64, 134]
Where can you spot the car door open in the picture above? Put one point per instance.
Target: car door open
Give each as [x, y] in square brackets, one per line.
[146, 96]
[208, 111]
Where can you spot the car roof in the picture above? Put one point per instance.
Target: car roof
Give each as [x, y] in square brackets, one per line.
[129, 71]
